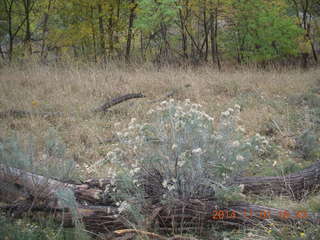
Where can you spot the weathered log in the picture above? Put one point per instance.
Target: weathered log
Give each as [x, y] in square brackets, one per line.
[176, 219]
[296, 185]
[103, 108]
[38, 194]
[100, 214]
[118, 100]
[46, 187]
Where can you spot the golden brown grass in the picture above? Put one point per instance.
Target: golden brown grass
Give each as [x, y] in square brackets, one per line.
[264, 96]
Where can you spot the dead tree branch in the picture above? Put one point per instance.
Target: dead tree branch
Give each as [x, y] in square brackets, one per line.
[118, 100]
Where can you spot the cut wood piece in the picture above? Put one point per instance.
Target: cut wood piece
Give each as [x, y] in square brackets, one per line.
[296, 185]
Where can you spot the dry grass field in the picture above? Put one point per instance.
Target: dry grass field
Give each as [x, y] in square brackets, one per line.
[266, 97]
[276, 104]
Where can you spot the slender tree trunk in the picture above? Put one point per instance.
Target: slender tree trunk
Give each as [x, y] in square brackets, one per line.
[93, 35]
[110, 33]
[216, 38]
[142, 47]
[102, 35]
[8, 8]
[206, 32]
[314, 53]
[212, 38]
[44, 52]
[27, 41]
[130, 25]
[183, 34]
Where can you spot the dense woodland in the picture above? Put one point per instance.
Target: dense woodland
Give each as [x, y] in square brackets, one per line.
[161, 31]
[159, 119]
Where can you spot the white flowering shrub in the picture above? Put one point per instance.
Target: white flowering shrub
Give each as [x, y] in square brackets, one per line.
[180, 153]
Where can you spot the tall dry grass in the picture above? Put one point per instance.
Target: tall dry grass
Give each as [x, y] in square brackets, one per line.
[74, 90]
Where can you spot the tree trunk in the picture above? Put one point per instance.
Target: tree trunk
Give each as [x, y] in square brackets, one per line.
[216, 39]
[102, 35]
[44, 51]
[206, 32]
[183, 34]
[27, 40]
[130, 25]
[110, 33]
[94, 42]
[8, 7]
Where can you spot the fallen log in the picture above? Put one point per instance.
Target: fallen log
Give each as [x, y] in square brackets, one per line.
[197, 216]
[115, 101]
[39, 194]
[103, 108]
[296, 185]
[100, 214]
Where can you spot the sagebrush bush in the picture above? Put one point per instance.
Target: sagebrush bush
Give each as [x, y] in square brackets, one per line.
[308, 145]
[180, 153]
[50, 161]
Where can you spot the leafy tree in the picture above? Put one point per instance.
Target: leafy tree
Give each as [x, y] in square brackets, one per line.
[259, 31]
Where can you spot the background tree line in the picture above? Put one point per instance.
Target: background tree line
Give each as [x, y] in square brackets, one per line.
[162, 31]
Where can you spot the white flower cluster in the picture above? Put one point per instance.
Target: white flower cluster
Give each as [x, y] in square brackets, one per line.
[183, 145]
[169, 184]
[260, 144]
[231, 111]
[183, 111]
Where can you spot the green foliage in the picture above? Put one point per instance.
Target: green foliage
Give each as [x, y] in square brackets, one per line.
[54, 146]
[308, 145]
[51, 163]
[68, 201]
[23, 229]
[12, 154]
[261, 31]
[252, 30]
[154, 14]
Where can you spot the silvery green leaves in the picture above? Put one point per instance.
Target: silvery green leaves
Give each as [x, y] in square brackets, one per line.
[181, 153]
[49, 161]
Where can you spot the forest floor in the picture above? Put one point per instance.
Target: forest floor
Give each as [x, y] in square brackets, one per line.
[282, 105]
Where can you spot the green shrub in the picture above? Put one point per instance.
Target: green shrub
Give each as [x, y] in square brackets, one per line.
[179, 153]
[308, 145]
[51, 163]
[23, 229]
